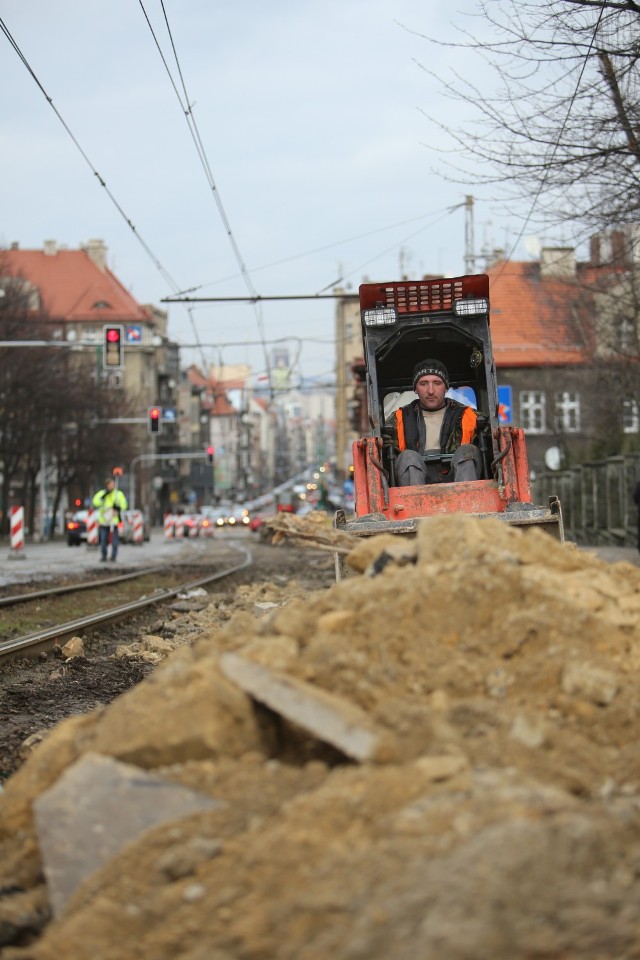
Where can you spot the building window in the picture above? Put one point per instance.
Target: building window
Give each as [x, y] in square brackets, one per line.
[532, 411]
[626, 338]
[630, 416]
[567, 412]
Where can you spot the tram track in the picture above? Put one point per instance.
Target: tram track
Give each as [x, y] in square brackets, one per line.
[18, 598]
[34, 642]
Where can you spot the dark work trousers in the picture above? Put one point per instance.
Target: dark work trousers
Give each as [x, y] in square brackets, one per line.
[466, 464]
[103, 538]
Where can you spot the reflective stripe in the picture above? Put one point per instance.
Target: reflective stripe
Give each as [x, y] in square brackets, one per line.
[469, 420]
[402, 444]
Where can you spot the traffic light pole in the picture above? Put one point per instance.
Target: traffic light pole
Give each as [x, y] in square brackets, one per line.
[211, 460]
[199, 455]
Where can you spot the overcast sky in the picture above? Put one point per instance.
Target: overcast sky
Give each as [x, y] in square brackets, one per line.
[310, 121]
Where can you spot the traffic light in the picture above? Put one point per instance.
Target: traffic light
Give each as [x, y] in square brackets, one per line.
[112, 347]
[155, 417]
[210, 453]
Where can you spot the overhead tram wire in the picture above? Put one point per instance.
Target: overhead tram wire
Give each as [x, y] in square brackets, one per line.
[187, 109]
[326, 246]
[448, 211]
[321, 294]
[156, 262]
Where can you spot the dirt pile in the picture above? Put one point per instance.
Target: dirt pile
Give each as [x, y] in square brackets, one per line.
[499, 669]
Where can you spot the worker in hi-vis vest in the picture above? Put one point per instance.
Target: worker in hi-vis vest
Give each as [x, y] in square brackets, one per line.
[110, 503]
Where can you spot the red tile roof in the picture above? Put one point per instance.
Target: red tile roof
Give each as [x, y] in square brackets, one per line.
[216, 400]
[71, 285]
[222, 407]
[536, 320]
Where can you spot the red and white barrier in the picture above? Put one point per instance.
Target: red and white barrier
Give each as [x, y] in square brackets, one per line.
[17, 533]
[138, 531]
[194, 526]
[92, 528]
[169, 526]
[178, 527]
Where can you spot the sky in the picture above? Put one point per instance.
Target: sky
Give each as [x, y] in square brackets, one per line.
[311, 164]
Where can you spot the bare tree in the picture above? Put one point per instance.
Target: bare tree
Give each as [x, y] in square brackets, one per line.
[22, 370]
[53, 409]
[560, 127]
[551, 90]
[85, 447]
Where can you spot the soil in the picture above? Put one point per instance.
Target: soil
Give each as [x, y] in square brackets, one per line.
[37, 693]
[498, 818]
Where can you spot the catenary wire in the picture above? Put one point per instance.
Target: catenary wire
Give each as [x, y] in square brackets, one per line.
[187, 109]
[309, 253]
[389, 249]
[155, 260]
[165, 274]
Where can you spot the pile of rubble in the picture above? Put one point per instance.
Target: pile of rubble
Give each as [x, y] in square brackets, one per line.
[435, 758]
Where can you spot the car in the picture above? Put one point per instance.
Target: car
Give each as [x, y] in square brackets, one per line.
[76, 528]
[238, 516]
[255, 523]
[215, 515]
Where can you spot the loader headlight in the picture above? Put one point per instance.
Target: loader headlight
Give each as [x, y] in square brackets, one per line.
[472, 307]
[380, 317]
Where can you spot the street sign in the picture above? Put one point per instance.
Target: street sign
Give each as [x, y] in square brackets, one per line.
[505, 408]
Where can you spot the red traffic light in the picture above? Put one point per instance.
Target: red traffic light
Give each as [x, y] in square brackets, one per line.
[112, 348]
[210, 453]
[78, 502]
[155, 414]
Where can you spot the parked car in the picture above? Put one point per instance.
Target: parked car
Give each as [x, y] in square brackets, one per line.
[76, 528]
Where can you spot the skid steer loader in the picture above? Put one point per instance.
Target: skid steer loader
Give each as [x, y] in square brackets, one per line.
[448, 320]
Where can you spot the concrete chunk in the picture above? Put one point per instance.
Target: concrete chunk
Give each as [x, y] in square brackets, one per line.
[324, 715]
[592, 683]
[96, 807]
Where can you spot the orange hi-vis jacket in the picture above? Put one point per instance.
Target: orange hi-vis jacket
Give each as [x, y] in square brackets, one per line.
[458, 426]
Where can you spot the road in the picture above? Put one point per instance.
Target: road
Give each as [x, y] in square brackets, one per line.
[37, 561]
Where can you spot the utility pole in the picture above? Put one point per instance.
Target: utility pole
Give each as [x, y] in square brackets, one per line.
[469, 242]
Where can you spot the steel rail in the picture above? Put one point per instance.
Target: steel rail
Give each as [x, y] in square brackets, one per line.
[75, 587]
[41, 637]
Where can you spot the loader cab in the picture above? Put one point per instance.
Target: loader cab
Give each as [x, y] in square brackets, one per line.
[404, 323]
[443, 319]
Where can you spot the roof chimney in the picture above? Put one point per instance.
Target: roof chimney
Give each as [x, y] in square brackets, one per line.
[558, 262]
[97, 251]
[50, 248]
